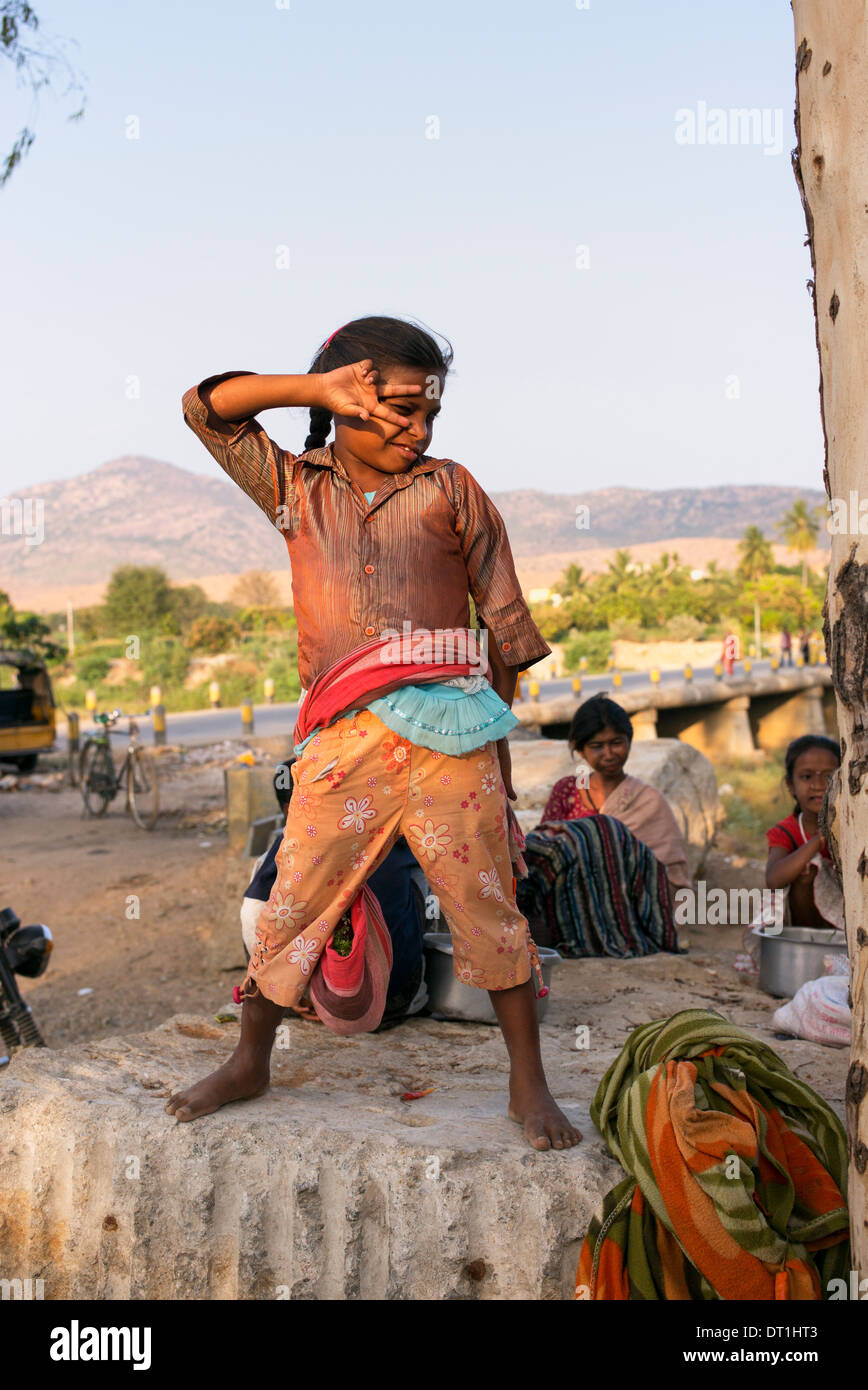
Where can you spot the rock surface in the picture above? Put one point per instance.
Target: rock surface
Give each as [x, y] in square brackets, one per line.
[329, 1186]
[684, 776]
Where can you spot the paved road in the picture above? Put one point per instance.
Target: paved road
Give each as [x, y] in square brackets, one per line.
[211, 725]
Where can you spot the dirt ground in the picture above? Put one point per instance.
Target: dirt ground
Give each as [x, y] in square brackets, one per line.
[86, 878]
[81, 875]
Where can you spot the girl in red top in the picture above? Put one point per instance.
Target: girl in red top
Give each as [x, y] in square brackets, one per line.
[795, 842]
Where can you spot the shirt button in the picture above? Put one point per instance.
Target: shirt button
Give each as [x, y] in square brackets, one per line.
[369, 631]
[507, 647]
[369, 569]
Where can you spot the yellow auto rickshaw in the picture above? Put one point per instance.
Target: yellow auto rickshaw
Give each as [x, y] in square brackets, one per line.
[27, 719]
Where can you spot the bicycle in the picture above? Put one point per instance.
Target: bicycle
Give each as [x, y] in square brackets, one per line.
[100, 783]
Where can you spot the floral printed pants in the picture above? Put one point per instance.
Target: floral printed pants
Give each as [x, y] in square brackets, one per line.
[356, 788]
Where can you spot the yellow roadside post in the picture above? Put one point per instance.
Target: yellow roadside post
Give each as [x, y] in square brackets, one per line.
[156, 696]
[159, 724]
[577, 685]
[688, 671]
[214, 694]
[533, 689]
[269, 690]
[247, 716]
[90, 701]
[655, 675]
[72, 740]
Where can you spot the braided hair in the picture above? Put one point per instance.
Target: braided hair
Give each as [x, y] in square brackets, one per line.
[387, 342]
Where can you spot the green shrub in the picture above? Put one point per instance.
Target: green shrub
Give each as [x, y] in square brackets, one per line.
[625, 631]
[212, 635]
[164, 660]
[287, 685]
[91, 668]
[683, 628]
[259, 620]
[596, 646]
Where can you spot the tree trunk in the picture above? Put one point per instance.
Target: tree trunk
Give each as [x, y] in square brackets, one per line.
[831, 167]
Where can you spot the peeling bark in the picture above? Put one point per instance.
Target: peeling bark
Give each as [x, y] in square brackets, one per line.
[830, 164]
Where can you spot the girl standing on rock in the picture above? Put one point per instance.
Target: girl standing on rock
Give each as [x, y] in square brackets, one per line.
[403, 728]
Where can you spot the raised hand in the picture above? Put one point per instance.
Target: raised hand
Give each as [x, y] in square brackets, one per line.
[356, 390]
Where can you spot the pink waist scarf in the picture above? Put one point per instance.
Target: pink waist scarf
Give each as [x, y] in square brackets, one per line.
[378, 667]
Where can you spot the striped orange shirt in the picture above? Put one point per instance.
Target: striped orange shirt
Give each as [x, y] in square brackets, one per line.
[429, 536]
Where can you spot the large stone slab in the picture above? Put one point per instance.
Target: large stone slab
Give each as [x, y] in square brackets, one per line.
[327, 1187]
[683, 774]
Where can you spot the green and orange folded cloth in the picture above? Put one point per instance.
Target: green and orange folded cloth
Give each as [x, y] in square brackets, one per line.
[737, 1172]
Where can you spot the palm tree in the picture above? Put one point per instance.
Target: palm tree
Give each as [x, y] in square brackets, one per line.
[619, 567]
[755, 552]
[756, 560]
[572, 582]
[799, 529]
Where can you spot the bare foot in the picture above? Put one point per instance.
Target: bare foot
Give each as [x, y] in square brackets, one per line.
[233, 1081]
[545, 1124]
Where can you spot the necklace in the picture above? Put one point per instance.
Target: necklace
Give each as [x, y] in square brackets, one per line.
[587, 792]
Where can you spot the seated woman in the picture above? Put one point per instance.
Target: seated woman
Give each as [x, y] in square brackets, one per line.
[601, 735]
[607, 854]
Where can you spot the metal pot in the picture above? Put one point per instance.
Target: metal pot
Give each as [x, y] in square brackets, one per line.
[451, 998]
[790, 956]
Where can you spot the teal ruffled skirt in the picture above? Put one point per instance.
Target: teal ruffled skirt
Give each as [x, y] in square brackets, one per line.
[443, 717]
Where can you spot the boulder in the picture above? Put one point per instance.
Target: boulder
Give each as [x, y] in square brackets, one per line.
[683, 774]
[327, 1187]
[330, 1186]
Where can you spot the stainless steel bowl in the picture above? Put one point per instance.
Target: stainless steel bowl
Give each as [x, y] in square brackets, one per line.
[790, 956]
[451, 998]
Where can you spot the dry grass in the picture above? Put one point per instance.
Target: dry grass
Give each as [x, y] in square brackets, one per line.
[754, 798]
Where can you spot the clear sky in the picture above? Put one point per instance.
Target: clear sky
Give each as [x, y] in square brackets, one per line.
[676, 350]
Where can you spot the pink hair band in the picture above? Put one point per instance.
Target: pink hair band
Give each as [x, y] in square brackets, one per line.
[334, 335]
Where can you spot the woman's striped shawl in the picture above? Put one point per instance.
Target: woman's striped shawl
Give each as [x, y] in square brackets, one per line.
[593, 889]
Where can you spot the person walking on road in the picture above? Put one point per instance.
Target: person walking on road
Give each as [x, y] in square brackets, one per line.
[786, 647]
[730, 653]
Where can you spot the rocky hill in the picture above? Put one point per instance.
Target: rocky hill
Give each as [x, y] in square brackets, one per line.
[144, 511]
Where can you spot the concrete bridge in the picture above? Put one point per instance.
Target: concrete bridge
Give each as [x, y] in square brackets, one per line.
[733, 717]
